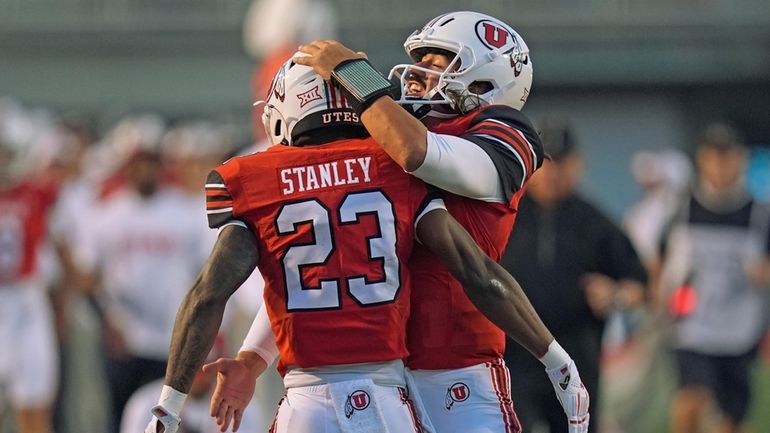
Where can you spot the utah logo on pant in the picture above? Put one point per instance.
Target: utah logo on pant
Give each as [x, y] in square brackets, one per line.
[357, 400]
[458, 392]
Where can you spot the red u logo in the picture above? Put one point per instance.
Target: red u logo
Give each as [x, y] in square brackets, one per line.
[495, 36]
[460, 393]
[360, 400]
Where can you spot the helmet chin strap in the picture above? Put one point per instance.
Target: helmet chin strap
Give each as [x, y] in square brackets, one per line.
[417, 109]
[440, 109]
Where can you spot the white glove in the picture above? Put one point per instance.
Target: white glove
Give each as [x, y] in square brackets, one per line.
[572, 395]
[164, 417]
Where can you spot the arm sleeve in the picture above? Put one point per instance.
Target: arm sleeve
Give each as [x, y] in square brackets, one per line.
[492, 160]
[512, 144]
[260, 338]
[461, 167]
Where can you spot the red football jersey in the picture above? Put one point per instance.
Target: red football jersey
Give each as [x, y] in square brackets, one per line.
[445, 329]
[24, 210]
[335, 225]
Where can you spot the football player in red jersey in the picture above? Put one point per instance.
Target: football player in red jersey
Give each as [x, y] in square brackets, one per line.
[330, 220]
[471, 77]
[28, 364]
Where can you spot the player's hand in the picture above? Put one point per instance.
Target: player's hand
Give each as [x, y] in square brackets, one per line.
[163, 421]
[324, 55]
[758, 273]
[235, 386]
[572, 395]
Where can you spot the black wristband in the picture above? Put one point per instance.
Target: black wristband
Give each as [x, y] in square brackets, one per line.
[361, 83]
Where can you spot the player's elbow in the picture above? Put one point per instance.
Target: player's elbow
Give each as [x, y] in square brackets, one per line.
[205, 296]
[482, 286]
[412, 158]
[408, 149]
[475, 280]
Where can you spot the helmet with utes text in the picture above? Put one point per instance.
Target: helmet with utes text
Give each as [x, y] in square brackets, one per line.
[489, 63]
[301, 103]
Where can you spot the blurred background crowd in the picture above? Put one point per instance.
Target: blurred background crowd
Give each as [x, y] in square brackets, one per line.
[112, 112]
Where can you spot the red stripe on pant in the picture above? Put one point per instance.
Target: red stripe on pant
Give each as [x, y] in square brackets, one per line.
[274, 426]
[499, 375]
[516, 421]
[408, 402]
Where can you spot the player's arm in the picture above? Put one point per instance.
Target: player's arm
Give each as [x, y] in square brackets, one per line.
[621, 280]
[491, 288]
[500, 298]
[399, 133]
[451, 163]
[758, 269]
[232, 260]
[489, 165]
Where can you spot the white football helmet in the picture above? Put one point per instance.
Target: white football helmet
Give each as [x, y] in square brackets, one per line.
[300, 101]
[491, 63]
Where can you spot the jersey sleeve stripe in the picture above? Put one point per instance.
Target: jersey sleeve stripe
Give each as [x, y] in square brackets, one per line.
[509, 166]
[535, 162]
[510, 140]
[219, 200]
[217, 193]
[516, 154]
[218, 211]
[433, 194]
[514, 133]
[520, 135]
[431, 203]
[238, 223]
[219, 204]
[218, 197]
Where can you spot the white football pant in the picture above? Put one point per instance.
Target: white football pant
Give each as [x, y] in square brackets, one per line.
[475, 399]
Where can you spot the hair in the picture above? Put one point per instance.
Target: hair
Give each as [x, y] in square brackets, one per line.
[464, 101]
[720, 135]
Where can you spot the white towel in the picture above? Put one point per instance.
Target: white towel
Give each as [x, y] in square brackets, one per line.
[355, 404]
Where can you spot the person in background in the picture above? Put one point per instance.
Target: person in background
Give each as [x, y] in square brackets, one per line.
[28, 352]
[663, 176]
[575, 265]
[714, 280]
[190, 149]
[141, 253]
[195, 412]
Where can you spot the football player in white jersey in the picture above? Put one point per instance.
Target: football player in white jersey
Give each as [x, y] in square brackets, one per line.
[28, 353]
[142, 251]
